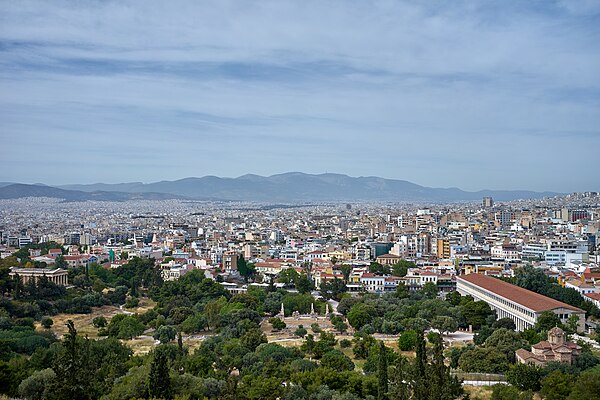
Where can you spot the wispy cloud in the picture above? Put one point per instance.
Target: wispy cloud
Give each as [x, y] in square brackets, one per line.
[424, 91]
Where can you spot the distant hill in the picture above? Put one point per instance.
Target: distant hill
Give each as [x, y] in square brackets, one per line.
[18, 190]
[300, 187]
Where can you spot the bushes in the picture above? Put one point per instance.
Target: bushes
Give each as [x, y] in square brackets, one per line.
[407, 340]
[125, 327]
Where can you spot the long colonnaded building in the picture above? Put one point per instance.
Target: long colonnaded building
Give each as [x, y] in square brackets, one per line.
[510, 301]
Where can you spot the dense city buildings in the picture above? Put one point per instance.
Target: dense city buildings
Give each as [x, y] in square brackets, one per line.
[442, 244]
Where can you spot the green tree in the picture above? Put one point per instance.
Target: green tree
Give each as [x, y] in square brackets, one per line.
[72, 368]
[362, 344]
[337, 361]
[407, 340]
[454, 298]
[506, 341]
[360, 315]
[47, 322]
[36, 386]
[346, 271]
[333, 289]
[253, 338]
[475, 312]
[483, 359]
[99, 322]
[303, 284]
[557, 386]
[194, 323]
[525, 377]
[277, 324]
[532, 279]
[382, 373]
[401, 267]
[165, 334]
[587, 386]
[159, 382]
[507, 323]
[300, 331]
[430, 290]
[444, 324]
[546, 321]
[287, 276]
[245, 269]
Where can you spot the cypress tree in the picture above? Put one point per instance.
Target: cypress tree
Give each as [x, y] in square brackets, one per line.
[74, 373]
[159, 382]
[420, 383]
[382, 390]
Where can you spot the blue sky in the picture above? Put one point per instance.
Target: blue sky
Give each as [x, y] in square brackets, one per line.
[497, 95]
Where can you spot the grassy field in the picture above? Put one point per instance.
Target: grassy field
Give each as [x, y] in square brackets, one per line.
[479, 392]
[83, 322]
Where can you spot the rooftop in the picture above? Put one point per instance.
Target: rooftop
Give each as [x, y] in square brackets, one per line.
[532, 300]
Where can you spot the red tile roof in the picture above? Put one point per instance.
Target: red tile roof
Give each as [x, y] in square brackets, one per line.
[526, 298]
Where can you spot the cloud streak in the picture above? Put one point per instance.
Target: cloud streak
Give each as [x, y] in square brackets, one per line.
[468, 94]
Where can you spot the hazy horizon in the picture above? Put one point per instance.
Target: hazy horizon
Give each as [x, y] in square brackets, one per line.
[474, 95]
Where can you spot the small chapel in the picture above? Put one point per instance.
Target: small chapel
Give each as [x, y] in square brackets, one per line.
[556, 348]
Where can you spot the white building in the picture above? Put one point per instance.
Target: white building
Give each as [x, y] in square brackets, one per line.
[510, 301]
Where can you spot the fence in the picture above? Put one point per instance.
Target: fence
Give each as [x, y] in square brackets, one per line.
[479, 379]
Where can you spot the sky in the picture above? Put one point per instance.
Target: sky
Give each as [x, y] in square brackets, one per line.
[470, 94]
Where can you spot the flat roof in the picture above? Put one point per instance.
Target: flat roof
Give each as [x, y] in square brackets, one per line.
[532, 300]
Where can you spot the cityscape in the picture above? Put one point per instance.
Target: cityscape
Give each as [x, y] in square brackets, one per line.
[299, 200]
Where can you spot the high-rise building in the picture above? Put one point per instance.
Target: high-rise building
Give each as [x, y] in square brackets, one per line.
[487, 202]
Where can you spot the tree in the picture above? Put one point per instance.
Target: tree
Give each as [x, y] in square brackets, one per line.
[287, 276]
[444, 324]
[99, 322]
[546, 321]
[333, 289]
[300, 331]
[253, 338]
[360, 315]
[525, 377]
[277, 323]
[346, 271]
[194, 323]
[337, 361]
[587, 386]
[245, 269]
[303, 284]
[159, 382]
[430, 290]
[362, 344]
[507, 323]
[532, 279]
[73, 368]
[340, 326]
[35, 387]
[407, 340]
[475, 312]
[47, 322]
[507, 392]
[557, 386]
[382, 373]
[420, 384]
[505, 341]
[483, 359]
[454, 298]
[402, 291]
[401, 267]
[165, 334]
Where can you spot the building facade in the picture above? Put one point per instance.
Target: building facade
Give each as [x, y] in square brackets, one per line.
[523, 306]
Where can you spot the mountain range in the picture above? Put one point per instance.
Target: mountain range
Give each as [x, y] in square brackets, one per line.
[292, 187]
